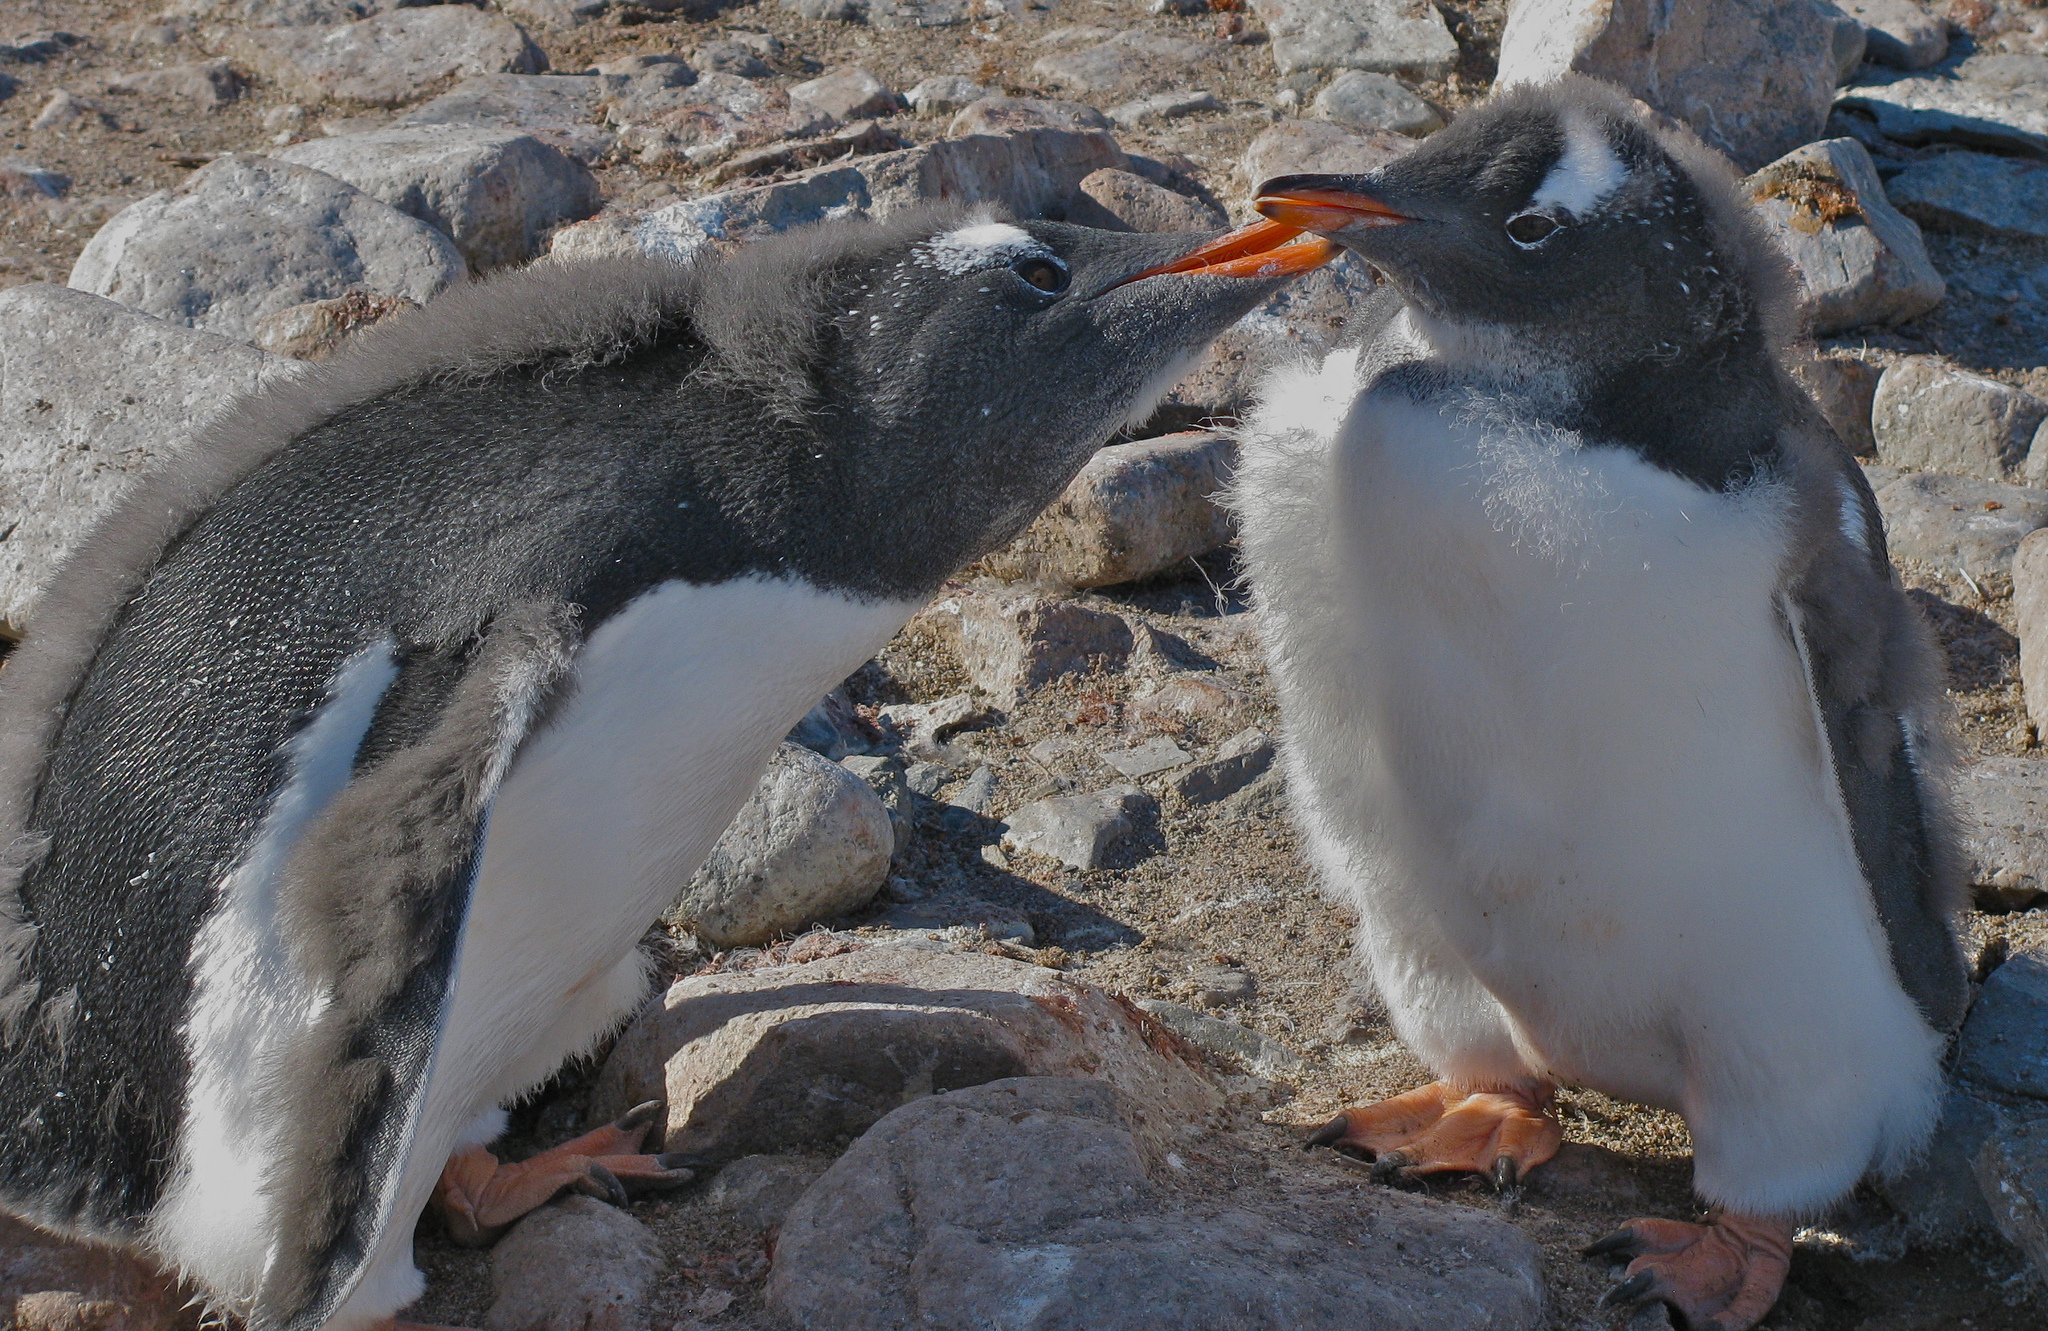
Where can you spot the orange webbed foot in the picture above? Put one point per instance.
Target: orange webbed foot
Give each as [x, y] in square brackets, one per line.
[1720, 1276]
[479, 1195]
[1438, 1128]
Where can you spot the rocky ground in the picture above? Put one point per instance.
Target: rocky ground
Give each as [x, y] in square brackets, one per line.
[1054, 788]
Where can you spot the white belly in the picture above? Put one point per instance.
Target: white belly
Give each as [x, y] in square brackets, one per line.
[1550, 737]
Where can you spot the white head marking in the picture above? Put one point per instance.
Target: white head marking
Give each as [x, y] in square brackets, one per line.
[979, 246]
[1587, 173]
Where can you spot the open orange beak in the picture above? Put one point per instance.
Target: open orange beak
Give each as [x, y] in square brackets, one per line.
[1263, 249]
[1327, 209]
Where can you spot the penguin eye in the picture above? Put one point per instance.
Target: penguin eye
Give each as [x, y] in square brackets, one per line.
[1048, 275]
[1531, 229]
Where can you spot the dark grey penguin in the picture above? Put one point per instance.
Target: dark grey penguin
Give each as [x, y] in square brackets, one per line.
[348, 760]
[1604, 709]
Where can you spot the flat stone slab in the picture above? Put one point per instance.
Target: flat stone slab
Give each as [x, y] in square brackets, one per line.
[391, 59]
[1900, 33]
[1127, 63]
[1032, 1202]
[558, 109]
[1959, 521]
[1380, 36]
[1080, 831]
[1929, 415]
[1966, 191]
[1993, 101]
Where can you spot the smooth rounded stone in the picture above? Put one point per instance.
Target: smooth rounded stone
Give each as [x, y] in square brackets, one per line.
[578, 1264]
[1127, 63]
[1938, 1194]
[1380, 36]
[50, 1284]
[497, 193]
[846, 93]
[811, 842]
[747, 1062]
[93, 392]
[944, 92]
[2012, 1173]
[1900, 33]
[248, 236]
[557, 109]
[1230, 1041]
[1959, 521]
[1008, 115]
[2004, 1043]
[1860, 261]
[1295, 146]
[1929, 415]
[1997, 102]
[1163, 106]
[1134, 510]
[315, 329]
[206, 85]
[1040, 1196]
[1011, 645]
[388, 60]
[1975, 192]
[1376, 101]
[758, 1190]
[2002, 806]
[2030, 608]
[1080, 831]
[1754, 78]
[1238, 761]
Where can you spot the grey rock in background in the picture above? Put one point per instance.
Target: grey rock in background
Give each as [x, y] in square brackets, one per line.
[246, 236]
[1080, 831]
[497, 193]
[1959, 522]
[1163, 106]
[1380, 36]
[26, 180]
[758, 1190]
[274, 13]
[1237, 762]
[1844, 388]
[1966, 191]
[996, 114]
[576, 1265]
[1134, 510]
[1994, 101]
[1376, 101]
[2004, 1043]
[1012, 645]
[91, 394]
[2030, 608]
[1294, 146]
[1127, 63]
[1860, 261]
[555, 108]
[943, 93]
[812, 842]
[1124, 201]
[2002, 804]
[1262, 1055]
[1147, 758]
[1899, 32]
[956, 1211]
[388, 60]
[846, 93]
[890, 15]
[888, 778]
[1754, 78]
[1929, 415]
[205, 86]
[2012, 1173]
[732, 57]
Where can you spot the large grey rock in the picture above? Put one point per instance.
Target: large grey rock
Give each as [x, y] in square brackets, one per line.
[1133, 510]
[1080, 831]
[1899, 32]
[1938, 1195]
[1376, 102]
[2030, 608]
[1033, 1202]
[812, 842]
[497, 193]
[1382, 36]
[1966, 191]
[1998, 102]
[576, 1265]
[748, 1062]
[1754, 78]
[2004, 1044]
[1293, 146]
[92, 393]
[1959, 521]
[557, 109]
[246, 236]
[2012, 1173]
[2003, 806]
[1124, 201]
[1012, 645]
[388, 60]
[1127, 63]
[1929, 415]
[1859, 260]
[846, 93]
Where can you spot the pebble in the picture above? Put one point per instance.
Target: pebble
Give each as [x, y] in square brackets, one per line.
[944, 92]
[732, 57]
[2004, 1043]
[1859, 260]
[1125, 201]
[1080, 831]
[2002, 804]
[1181, 702]
[1139, 761]
[1959, 522]
[1127, 63]
[1975, 192]
[1379, 36]
[26, 180]
[847, 93]
[66, 110]
[33, 48]
[1900, 33]
[889, 779]
[812, 842]
[575, 1265]
[205, 86]
[277, 13]
[833, 728]
[1376, 102]
[390, 59]
[1163, 106]
[1238, 761]
[997, 115]
[896, 15]
[1929, 415]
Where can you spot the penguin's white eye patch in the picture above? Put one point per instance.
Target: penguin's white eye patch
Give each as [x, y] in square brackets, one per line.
[1586, 173]
[984, 245]
[1528, 230]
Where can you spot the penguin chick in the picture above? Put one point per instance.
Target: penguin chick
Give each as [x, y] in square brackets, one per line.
[1603, 708]
[347, 762]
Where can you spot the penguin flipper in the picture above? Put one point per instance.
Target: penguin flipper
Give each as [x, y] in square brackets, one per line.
[376, 894]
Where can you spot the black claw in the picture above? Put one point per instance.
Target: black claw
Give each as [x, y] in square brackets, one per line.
[1505, 1176]
[638, 1114]
[1329, 1134]
[1629, 1291]
[1621, 1241]
[604, 1185]
[683, 1160]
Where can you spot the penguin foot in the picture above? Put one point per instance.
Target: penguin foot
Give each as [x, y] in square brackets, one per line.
[479, 1195]
[1439, 1129]
[1720, 1276]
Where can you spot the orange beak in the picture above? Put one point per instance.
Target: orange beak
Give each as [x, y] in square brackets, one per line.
[1263, 249]
[1327, 209]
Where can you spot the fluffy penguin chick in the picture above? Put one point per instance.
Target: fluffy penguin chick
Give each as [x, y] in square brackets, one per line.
[1603, 708]
[347, 762]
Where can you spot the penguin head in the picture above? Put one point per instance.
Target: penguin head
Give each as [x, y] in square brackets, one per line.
[1563, 217]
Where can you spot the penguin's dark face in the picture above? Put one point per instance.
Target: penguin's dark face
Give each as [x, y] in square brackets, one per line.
[1556, 214]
